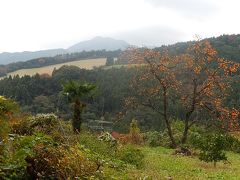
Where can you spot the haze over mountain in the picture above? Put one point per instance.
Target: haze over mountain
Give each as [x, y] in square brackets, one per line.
[7, 57]
[97, 43]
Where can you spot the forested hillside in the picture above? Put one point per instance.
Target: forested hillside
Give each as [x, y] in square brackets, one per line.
[227, 46]
[41, 94]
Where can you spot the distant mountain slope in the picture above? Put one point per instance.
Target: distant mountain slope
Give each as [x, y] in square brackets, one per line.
[6, 58]
[99, 43]
[227, 46]
[63, 58]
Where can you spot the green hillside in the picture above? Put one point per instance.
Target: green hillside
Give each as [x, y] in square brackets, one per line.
[227, 46]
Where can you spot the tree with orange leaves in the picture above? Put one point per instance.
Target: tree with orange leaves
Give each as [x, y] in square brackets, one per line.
[153, 83]
[204, 84]
[198, 80]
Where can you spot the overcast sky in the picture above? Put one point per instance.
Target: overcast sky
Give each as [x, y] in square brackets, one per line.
[29, 25]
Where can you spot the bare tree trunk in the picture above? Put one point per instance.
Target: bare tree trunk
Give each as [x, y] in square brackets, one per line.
[165, 114]
[185, 132]
[170, 134]
[77, 120]
[189, 113]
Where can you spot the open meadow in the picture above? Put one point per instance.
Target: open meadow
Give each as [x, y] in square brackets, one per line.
[161, 163]
[85, 64]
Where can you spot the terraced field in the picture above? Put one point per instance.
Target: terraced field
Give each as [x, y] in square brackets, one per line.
[85, 64]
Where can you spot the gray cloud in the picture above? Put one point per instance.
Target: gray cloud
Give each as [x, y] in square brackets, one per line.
[200, 9]
[152, 36]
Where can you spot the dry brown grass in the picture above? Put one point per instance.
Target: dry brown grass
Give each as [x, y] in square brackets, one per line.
[85, 64]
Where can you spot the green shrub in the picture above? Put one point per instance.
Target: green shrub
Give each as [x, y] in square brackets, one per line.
[21, 126]
[74, 162]
[39, 157]
[213, 148]
[233, 144]
[195, 133]
[58, 162]
[152, 138]
[194, 139]
[13, 164]
[40, 123]
[92, 143]
[132, 155]
[7, 108]
[135, 136]
[44, 123]
[108, 138]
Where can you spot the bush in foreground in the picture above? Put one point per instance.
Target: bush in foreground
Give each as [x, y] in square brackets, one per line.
[152, 138]
[213, 148]
[132, 155]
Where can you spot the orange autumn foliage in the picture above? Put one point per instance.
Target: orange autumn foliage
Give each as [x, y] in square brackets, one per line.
[198, 80]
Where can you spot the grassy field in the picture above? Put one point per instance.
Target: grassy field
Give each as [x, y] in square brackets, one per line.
[86, 64]
[160, 163]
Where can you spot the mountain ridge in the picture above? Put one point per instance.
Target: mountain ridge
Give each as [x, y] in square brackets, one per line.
[227, 46]
[97, 43]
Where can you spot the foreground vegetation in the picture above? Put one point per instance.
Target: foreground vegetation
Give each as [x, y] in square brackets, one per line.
[174, 117]
[45, 147]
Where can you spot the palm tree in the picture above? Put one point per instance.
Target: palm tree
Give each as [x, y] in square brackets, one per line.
[74, 91]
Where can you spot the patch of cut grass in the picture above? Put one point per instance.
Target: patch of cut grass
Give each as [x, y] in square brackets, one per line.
[160, 163]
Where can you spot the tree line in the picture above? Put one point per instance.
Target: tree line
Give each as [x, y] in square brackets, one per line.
[61, 58]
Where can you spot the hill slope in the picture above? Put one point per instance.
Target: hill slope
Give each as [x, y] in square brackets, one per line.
[97, 43]
[6, 57]
[227, 46]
